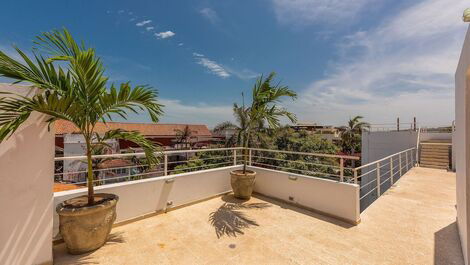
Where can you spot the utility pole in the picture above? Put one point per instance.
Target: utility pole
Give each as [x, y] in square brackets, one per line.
[398, 124]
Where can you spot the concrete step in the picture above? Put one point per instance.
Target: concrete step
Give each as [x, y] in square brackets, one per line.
[433, 148]
[434, 155]
[437, 160]
[434, 166]
[443, 164]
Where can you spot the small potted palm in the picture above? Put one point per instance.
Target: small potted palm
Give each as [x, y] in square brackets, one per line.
[72, 87]
[263, 110]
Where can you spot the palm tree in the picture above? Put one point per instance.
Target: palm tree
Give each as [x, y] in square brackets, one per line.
[184, 136]
[263, 109]
[241, 116]
[72, 87]
[351, 134]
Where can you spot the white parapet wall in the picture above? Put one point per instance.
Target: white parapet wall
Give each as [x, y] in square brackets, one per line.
[461, 145]
[328, 197]
[26, 190]
[142, 197]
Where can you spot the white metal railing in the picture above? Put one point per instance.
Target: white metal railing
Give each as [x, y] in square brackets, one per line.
[376, 177]
[336, 167]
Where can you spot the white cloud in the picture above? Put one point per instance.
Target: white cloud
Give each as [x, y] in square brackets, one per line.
[317, 11]
[209, 14]
[180, 44]
[164, 35]
[179, 112]
[176, 111]
[244, 74]
[143, 23]
[405, 68]
[149, 28]
[212, 66]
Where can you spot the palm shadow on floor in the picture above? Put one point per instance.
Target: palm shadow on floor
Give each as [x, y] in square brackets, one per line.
[230, 220]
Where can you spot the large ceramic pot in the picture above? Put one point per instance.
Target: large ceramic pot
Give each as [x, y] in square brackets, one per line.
[86, 228]
[242, 184]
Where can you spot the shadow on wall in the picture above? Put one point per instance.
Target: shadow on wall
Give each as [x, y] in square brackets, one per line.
[26, 194]
[447, 249]
[229, 220]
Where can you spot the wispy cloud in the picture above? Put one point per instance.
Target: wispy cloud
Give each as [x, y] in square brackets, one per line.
[209, 14]
[244, 74]
[180, 44]
[405, 67]
[143, 23]
[149, 28]
[165, 34]
[317, 11]
[210, 65]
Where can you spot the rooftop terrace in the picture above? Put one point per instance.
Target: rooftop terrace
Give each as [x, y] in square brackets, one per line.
[411, 223]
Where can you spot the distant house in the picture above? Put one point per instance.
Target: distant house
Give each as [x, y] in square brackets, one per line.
[164, 134]
[69, 142]
[327, 132]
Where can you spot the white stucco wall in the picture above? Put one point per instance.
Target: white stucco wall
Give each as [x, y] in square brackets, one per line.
[333, 198]
[141, 197]
[26, 197]
[461, 144]
[377, 145]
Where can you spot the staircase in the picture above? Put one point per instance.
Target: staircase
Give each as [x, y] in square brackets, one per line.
[436, 154]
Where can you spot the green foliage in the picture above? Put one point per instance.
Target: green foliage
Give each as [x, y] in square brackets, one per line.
[351, 135]
[287, 139]
[72, 86]
[205, 160]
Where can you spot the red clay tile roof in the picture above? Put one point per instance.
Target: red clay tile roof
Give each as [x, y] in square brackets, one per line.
[147, 129]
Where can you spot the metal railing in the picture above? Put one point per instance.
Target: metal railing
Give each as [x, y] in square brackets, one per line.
[72, 169]
[378, 176]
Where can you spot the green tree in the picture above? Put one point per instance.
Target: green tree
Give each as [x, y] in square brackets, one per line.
[264, 109]
[72, 86]
[351, 135]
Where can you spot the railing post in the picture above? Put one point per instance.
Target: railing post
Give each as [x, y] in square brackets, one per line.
[355, 176]
[391, 169]
[249, 157]
[165, 165]
[378, 179]
[234, 157]
[341, 169]
[406, 159]
[399, 164]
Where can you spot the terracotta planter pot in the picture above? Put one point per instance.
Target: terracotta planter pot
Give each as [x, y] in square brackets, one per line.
[86, 228]
[242, 184]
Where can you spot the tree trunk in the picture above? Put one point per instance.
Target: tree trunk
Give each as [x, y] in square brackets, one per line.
[90, 173]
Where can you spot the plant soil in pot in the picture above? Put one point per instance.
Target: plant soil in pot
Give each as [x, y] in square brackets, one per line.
[242, 183]
[83, 227]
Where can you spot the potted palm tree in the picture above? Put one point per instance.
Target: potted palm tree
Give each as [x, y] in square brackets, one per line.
[72, 87]
[263, 110]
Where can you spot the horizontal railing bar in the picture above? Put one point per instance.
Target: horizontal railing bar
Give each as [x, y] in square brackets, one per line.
[143, 154]
[300, 162]
[302, 170]
[385, 158]
[305, 153]
[368, 193]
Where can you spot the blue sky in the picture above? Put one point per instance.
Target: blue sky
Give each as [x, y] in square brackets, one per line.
[377, 58]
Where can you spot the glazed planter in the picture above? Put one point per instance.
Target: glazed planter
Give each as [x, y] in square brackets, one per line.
[242, 184]
[86, 228]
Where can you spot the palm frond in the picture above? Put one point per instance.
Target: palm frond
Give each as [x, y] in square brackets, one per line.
[152, 152]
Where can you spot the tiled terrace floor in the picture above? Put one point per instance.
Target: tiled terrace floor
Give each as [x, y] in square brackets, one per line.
[413, 223]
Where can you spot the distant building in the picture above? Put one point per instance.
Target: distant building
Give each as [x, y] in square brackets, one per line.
[327, 132]
[69, 142]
